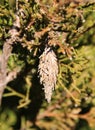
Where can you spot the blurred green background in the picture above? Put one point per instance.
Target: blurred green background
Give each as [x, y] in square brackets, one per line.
[71, 24]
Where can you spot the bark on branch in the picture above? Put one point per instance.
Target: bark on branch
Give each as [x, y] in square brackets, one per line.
[7, 50]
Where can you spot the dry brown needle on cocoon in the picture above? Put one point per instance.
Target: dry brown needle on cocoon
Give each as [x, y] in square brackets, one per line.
[48, 71]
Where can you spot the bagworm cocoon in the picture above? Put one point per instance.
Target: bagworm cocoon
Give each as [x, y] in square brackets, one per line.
[48, 71]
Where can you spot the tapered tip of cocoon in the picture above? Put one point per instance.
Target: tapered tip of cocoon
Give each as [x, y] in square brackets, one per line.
[48, 71]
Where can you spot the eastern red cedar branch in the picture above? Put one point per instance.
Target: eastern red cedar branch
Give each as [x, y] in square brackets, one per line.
[7, 50]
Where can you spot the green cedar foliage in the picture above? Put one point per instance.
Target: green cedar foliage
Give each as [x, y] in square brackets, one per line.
[69, 29]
